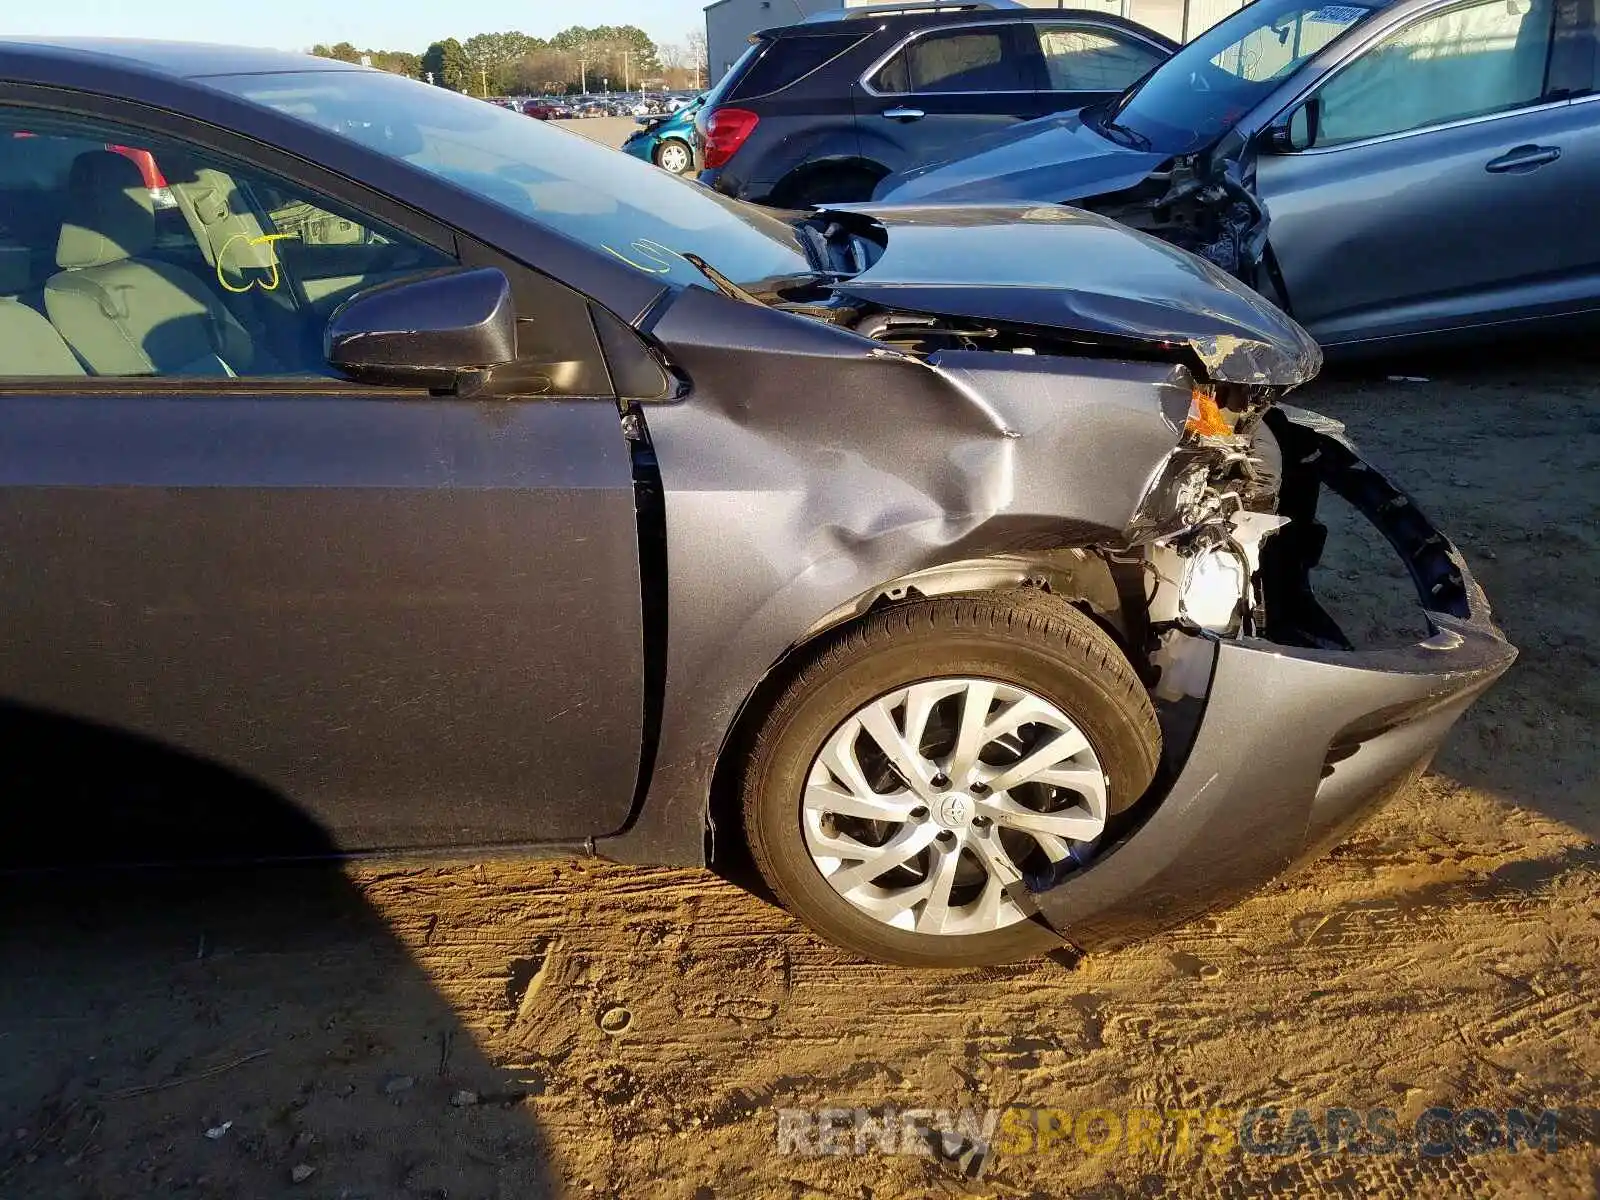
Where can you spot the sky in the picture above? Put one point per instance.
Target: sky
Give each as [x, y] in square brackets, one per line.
[375, 24]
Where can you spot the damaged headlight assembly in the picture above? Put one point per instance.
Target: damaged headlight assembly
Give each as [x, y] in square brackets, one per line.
[1220, 486]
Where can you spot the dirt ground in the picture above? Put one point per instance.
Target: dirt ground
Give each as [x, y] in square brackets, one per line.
[563, 1028]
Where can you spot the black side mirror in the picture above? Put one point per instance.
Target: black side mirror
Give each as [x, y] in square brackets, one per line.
[1297, 130]
[446, 332]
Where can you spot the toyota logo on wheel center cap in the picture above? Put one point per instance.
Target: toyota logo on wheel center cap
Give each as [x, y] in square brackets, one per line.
[955, 812]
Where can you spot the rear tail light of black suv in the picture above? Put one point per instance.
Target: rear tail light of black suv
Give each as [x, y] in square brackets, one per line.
[726, 130]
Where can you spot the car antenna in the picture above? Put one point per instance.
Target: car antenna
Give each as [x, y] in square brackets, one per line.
[724, 285]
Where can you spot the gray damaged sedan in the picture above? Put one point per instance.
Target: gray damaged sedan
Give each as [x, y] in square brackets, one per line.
[385, 472]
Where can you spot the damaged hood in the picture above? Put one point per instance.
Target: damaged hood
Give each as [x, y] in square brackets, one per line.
[1075, 271]
[1046, 161]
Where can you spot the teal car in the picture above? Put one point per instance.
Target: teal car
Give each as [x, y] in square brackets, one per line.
[667, 140]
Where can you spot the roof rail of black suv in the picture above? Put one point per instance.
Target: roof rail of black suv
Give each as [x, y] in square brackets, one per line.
[908, 9]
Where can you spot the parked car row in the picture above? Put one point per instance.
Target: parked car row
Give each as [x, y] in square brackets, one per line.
[1310, 149]
[622, 105]
[550, 108]
[424, 478]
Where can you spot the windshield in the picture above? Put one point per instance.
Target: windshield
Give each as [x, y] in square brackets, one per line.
[1197, 94]
[616, 204]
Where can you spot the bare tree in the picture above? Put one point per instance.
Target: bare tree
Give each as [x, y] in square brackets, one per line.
[695, 43]
[676, 67]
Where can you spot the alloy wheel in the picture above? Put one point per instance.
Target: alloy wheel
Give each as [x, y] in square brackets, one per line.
[928, 807]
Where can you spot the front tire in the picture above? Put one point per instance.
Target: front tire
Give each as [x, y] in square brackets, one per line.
[922, 761]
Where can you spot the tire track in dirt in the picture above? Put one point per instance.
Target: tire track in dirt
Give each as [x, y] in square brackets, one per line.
[1385, 976]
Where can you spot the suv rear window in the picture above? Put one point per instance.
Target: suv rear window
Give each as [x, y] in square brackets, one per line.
[957, 60]
[788, 60]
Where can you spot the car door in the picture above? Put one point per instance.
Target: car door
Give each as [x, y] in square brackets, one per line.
[940, 88]
[1426, 176]
[1575, 68]
[259, 610]
[1083, 62]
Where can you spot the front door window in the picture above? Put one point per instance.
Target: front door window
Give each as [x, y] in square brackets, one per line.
[123, 256]
[1467, 62]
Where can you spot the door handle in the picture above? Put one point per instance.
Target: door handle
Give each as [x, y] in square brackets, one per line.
[1521, 159]
[904, 114]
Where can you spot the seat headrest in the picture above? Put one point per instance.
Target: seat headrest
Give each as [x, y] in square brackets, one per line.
[109, 216]
[16, 268]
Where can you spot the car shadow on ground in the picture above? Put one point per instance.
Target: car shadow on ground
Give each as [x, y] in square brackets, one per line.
[239, 1034]
[220, 1032]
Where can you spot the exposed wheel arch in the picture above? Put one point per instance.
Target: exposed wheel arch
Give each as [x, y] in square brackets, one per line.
[1080, 577]
[809, 184]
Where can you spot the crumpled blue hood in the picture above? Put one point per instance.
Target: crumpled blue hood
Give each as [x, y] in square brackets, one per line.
[1046, 161]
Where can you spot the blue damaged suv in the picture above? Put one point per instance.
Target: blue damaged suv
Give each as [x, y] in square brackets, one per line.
[667, 140]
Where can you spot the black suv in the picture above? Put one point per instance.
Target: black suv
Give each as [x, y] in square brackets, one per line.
[819, 112]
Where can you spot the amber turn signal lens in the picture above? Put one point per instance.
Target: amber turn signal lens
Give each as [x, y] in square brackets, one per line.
[1205, 417]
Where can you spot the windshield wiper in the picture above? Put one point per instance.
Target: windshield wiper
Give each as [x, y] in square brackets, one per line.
[720, 281]
[1128, 137]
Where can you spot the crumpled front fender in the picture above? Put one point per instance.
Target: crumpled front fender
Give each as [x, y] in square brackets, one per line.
[811, 465]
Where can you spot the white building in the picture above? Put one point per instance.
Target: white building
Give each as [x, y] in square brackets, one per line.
[729, 23]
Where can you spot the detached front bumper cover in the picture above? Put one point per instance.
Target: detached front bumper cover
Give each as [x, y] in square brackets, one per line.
[1299, 736]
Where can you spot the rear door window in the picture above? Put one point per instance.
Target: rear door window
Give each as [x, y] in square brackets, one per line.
[973, 59]
[1082, 59]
